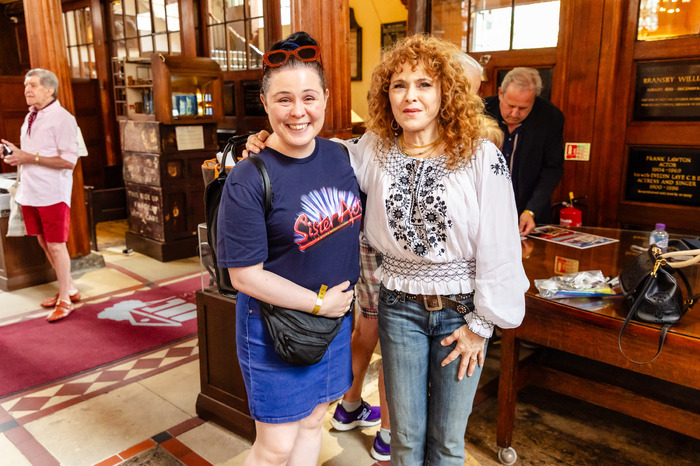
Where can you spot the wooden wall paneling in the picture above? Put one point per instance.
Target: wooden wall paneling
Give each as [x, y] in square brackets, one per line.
[329, 23]
[22, 45]
[88, 113]
[567, 43]
[9, 50]
[110, 130]
[574, 91]
[664, 133]
[13, 110]
[607, 149]
[651, 133]
[241, 122]
[643, 215]
[681, 47]
[47, 49]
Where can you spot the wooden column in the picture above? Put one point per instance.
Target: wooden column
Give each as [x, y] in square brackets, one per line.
[417, 22]
[188, 36]
[103, 63]
[329, 23]
[47, 49]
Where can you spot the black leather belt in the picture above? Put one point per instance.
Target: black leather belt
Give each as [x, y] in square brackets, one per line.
[438, 302]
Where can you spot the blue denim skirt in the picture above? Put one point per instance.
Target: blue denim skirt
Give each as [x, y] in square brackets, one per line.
[279, 392]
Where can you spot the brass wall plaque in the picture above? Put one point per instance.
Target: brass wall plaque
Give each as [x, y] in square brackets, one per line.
[664, 175]
[668, 90]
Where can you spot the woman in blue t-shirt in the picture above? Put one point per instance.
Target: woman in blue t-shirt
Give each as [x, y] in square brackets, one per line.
[309, 238]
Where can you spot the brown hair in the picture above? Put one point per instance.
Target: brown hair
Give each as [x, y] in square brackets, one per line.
[461, 112]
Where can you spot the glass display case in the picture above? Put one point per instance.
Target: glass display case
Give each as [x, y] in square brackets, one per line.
[133, 89]
[186, 89]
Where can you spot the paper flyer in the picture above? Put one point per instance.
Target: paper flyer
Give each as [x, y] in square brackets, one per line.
[575, 239]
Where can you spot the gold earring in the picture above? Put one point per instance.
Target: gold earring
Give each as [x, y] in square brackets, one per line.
[395, 128]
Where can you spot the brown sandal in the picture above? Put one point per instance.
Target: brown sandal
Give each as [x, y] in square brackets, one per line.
[62, 310]
[51, 302]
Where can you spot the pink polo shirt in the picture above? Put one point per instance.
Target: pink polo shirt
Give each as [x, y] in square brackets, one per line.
[54, 134]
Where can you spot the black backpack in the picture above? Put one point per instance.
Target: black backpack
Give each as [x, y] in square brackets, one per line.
[212, 198]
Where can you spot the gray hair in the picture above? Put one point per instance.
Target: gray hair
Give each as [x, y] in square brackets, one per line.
[524, 78]
[46, 78]
[471, 67]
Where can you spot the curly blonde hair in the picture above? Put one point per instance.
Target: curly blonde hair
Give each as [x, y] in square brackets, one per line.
[461, 117]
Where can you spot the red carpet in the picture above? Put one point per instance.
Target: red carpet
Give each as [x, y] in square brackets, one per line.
[35, 352]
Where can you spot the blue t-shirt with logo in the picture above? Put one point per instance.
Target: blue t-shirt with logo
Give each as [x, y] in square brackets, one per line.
[310, 236]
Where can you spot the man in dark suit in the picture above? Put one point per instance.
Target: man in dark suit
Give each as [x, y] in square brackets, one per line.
[533, 144]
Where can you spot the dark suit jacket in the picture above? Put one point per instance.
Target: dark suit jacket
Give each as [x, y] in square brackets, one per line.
[540, 151]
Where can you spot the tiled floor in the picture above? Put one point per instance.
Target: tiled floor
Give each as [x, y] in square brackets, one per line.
[141, 409]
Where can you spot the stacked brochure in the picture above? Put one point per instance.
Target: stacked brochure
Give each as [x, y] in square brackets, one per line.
[575, 239]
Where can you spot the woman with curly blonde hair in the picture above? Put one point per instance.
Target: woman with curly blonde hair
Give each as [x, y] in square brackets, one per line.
[440, 209]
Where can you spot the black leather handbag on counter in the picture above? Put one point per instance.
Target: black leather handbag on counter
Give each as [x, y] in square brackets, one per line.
[653, 294]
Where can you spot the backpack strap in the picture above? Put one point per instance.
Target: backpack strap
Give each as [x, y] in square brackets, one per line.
[345, 149]
[266, 185]
[230, 149]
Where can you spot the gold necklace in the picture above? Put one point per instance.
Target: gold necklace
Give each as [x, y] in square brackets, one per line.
[421, 154]
[411, 146]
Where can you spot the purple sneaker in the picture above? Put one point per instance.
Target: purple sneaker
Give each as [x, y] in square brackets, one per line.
[364, 416]
[380, 451]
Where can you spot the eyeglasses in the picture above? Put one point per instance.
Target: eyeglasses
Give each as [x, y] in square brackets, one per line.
[304, 53]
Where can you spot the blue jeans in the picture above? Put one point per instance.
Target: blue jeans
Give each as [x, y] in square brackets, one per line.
[428, 405]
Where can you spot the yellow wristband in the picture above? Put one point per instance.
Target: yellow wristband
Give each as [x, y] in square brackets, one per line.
[530, 212]
[319, 299]
[36, 158]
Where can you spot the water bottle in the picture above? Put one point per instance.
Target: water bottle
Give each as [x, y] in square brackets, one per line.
[659, 237]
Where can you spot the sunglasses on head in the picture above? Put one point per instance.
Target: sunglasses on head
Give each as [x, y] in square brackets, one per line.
[306, 53]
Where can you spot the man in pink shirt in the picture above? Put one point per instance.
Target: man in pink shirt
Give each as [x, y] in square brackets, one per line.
[45, 163]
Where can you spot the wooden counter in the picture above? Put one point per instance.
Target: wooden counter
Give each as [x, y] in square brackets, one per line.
[22, 261]
[223, 397]
[589, 328]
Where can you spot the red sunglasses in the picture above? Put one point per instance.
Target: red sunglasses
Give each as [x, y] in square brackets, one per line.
[305, 53]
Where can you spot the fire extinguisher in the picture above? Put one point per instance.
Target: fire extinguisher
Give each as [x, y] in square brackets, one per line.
[570, 216]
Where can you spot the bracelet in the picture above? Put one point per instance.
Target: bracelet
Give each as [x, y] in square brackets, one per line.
[319, 299]
[529, 212]
[36, 158]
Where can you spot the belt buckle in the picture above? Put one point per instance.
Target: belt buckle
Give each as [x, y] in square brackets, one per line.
[427, 299]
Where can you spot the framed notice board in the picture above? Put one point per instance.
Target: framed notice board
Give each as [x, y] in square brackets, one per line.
[252, 105]
[667, 90]
[666, 175]
[392, 32]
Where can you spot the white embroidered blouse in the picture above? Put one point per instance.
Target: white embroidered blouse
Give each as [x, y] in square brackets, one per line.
[445, 231]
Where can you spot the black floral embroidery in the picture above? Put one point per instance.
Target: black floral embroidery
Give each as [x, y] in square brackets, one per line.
[416, 202]
[500, 167]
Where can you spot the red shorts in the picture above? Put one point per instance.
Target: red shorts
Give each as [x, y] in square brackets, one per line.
[51, 221]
